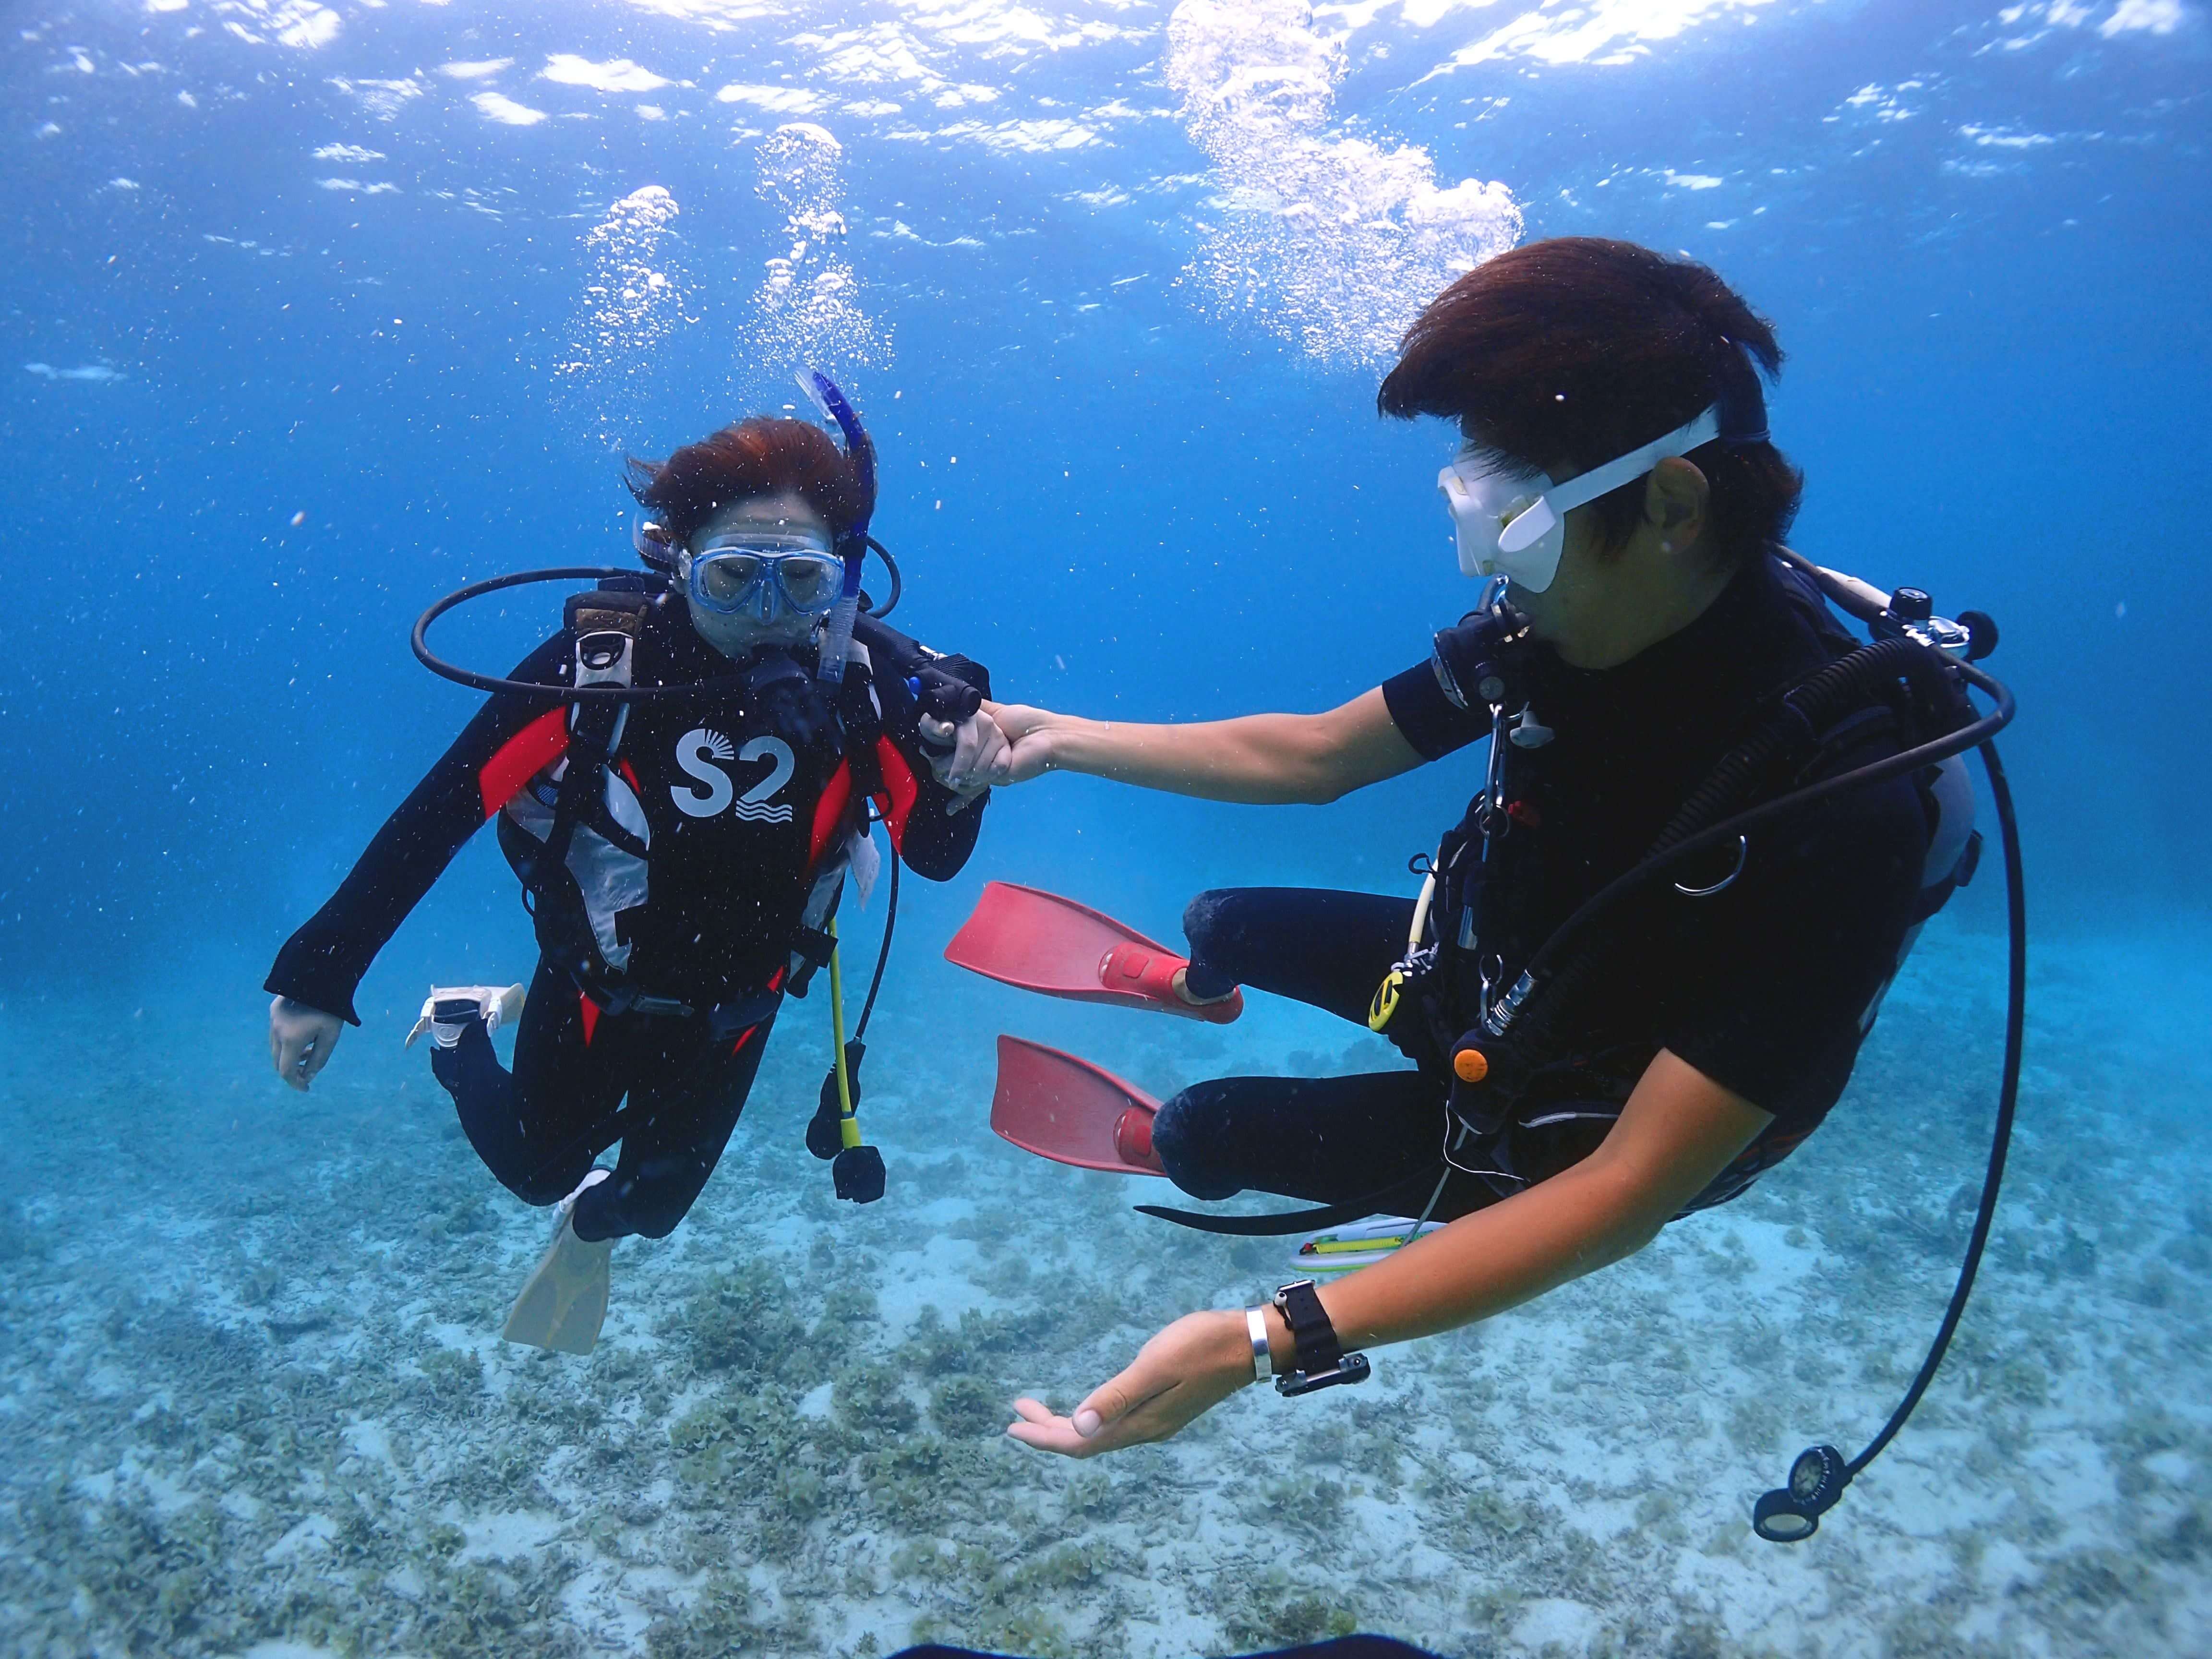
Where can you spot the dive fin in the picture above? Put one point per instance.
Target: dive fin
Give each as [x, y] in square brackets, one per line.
[565, 1302]
[1039, 941]
[1073, 1112]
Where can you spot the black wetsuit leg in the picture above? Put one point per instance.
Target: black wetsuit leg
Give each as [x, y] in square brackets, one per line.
[539, 1128]
[1325, 1140]
[684, 1103]
[535, 1129]
[1328, 949]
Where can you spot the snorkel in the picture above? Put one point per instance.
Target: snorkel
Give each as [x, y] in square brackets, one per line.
[852, 544]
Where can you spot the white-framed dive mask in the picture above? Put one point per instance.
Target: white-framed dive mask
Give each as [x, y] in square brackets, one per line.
[1513, 523]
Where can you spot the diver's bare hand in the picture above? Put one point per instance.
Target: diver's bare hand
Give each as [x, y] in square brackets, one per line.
[977, 760]
[1183, 1372]
[1029, 731]
[300, 1039]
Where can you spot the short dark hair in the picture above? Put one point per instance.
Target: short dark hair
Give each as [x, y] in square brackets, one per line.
[1567, 352]
[764, 455]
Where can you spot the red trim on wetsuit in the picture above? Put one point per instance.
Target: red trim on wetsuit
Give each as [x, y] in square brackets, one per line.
[521, 758]
[630, 778]
[899, 783]
[774, 984]
[828, 813]
[589, 1011]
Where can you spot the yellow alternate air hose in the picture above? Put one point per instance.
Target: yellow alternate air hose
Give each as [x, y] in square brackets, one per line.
[848, 1124]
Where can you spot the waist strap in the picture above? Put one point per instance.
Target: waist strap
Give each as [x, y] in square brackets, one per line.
[737, 1012]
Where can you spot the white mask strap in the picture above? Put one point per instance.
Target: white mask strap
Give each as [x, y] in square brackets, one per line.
[1531, 524]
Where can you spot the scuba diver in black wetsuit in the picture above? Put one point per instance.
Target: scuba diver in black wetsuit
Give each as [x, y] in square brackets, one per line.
[683, 847]
[1623, 998]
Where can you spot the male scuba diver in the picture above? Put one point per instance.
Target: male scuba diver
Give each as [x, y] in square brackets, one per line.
[682, 843]
[1646, 660]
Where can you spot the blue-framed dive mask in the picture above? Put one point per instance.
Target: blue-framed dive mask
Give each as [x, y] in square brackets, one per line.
[765, 573]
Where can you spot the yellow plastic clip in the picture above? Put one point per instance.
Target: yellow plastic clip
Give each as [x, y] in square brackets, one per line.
[849, 1125]
[1386, 1000]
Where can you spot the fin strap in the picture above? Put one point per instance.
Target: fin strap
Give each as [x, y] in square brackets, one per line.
[1281, 1223]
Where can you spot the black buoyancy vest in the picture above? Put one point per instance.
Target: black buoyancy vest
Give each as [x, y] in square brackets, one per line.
[579, 836]
[1490, 916]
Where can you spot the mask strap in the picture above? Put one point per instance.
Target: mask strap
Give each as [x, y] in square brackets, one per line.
[1533, 524]
[1741, 403]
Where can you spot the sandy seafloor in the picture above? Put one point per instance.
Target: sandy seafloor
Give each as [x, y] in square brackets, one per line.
[254, 1403]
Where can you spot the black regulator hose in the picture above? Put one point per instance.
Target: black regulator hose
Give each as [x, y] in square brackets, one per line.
[1818, 1477]
[419, 640]
[898, 583]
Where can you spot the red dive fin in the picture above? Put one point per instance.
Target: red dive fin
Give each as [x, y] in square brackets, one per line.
[1071, 1111]
[1040, 941]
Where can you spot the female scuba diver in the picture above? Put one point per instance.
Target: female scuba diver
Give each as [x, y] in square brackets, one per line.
[1651, 662]
[681, 853]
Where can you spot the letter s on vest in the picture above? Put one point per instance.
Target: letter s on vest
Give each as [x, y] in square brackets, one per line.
[696, 751]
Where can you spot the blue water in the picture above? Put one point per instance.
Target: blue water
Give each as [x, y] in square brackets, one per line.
[313, 311]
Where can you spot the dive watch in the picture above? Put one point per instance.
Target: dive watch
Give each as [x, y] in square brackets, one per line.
[1320, 1361]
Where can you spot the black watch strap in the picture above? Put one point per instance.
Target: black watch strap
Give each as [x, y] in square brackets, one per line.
[1320, 1361]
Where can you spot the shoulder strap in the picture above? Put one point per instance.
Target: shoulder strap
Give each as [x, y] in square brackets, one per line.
[606, 625]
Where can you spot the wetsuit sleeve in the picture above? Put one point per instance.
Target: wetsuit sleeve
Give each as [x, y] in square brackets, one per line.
[1426, 717]
[1775, 976]
[509, 741]
[934, 839]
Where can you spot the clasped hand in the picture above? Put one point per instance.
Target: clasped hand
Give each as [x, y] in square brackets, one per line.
[974, 755]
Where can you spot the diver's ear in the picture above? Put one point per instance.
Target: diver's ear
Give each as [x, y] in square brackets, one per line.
[1677, 501]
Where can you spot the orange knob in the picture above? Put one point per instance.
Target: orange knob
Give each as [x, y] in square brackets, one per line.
[1471, 1065]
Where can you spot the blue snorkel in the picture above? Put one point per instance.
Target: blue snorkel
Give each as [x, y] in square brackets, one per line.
[853, 545]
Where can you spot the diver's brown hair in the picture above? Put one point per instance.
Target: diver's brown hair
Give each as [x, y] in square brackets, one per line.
[764, 455]
[1563, 353]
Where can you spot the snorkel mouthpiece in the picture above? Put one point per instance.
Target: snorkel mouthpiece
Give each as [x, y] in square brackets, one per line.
[853, 545]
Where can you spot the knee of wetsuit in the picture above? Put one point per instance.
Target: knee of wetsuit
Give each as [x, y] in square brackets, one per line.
[1187, 1134]
[1202, 918]
[1208, 932]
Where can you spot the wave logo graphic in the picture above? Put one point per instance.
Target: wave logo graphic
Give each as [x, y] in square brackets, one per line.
[699, 754]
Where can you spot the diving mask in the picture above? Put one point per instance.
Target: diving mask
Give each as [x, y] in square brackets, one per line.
[760, 569]
[1513, 523]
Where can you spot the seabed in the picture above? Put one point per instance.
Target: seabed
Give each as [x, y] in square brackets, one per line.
[256, 1405]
